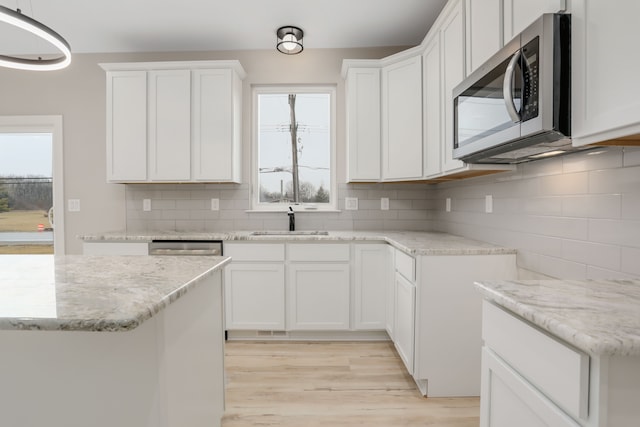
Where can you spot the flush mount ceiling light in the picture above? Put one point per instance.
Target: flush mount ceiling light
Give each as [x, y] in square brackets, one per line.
[18, 20]
[289, 40]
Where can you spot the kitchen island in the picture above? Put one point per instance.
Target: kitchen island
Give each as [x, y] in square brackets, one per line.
[111, 341]
[561, 352]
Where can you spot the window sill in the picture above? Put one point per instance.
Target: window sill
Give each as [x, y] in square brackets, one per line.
[295, 211]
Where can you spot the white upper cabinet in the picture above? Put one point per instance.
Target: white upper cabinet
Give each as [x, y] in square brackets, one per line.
[169, 124]
[174, 121]
[483, 31]
[432, 89]
[127, 126]
[519, 14]
[402, 119]
[217, 119]
[453, 72]
[363, 124]
[605, 94]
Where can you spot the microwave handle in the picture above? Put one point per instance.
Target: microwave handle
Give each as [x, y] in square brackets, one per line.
[506, 87]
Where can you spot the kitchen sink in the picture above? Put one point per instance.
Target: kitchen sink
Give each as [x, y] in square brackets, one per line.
[290, 233]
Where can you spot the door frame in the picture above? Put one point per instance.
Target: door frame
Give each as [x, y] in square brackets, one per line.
[53, 125]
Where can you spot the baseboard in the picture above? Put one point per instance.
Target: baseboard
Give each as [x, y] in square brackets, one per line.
[307, 336]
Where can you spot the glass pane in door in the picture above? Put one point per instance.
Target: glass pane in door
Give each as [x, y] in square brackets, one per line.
[26, 197]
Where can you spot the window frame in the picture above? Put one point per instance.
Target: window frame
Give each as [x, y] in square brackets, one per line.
[256, 206]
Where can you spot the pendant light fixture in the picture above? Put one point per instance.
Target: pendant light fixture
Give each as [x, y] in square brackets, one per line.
[289, 40]
[18, 20]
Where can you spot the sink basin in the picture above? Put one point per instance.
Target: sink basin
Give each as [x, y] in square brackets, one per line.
[290, 233]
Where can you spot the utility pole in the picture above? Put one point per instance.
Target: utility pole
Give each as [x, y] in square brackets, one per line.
[294, 148]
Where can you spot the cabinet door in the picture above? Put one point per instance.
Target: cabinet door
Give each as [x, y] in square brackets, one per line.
[483, 31]
[215, 136]
[318, 297]
[390, 290]
[371, 277]
[452, 34]
[405, 320]
[363, 124]
[170, 125]
[126, 126]
[605, 94]
[254, 296]
[402, 120]
[519, 14]
[432, 107]
[508, 400]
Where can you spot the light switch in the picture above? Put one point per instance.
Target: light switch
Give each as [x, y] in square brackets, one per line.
[215, 204]
[384, 203]
[448, 204]
[146, 205]
[351, 203]
[73, 205]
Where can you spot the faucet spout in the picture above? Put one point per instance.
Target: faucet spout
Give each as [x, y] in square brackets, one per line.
[292, 219]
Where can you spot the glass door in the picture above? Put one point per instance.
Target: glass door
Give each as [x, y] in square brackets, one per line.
[26, 193]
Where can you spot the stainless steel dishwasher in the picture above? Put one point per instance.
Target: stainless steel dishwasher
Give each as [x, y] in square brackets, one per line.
[185, 247]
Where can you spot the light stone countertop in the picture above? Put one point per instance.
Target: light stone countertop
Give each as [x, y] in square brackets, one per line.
[600, 317]
[94, 293]
[411, 242]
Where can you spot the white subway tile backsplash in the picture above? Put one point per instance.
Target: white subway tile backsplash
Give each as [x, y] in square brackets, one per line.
[541, 205]
[606, 206]
[564, 184]
[631, 261]
[596, 254]
[631, 156]
[572, 216]
[621, 180]
[593, 160]
[559, 267]
[631, 206]
[623, 233]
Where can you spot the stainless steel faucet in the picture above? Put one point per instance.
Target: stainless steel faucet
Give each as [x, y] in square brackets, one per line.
[292, 219]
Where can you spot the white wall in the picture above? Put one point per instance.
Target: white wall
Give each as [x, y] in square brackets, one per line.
[78, 94]
[576, 216]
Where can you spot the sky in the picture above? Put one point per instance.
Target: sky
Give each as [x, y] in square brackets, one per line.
[26, 154]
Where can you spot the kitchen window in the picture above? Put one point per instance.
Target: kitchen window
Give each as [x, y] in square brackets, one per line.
[294, 148]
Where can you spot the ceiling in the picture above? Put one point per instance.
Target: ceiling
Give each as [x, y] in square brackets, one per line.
[91, 26]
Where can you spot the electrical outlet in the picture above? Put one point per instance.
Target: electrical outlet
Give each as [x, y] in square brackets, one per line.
[351, 203]
[384, 203]
[146, 205]
[215, 204]
[448, 204]
[488, 203]
[73, 205]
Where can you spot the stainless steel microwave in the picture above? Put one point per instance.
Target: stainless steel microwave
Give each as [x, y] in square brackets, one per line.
[517, 106]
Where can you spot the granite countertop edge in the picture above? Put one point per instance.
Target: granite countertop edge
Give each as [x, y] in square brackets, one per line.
[122, 324]
[582, 328]
[414, 243]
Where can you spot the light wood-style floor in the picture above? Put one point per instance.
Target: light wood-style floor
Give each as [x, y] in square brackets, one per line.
[306, 384]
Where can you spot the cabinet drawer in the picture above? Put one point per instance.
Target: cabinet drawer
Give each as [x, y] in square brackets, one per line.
[254, 251]
[406, 265]
[556, 369]
[318, 252]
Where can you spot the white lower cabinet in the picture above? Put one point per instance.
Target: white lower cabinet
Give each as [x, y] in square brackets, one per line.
[531, 377]
[404, 323]
[371, 276]
[509, 400]
[318, 296]
[254, 286]
[254, 296]
[390, 294]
